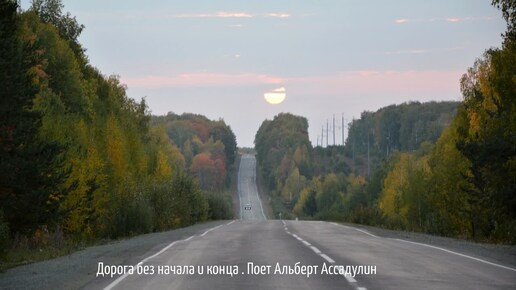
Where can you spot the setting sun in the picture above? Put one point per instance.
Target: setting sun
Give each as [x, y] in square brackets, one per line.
[276, 96]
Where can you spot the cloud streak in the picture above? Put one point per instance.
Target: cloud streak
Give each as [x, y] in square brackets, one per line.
[356, 83]
[201, 80]
[412, 83]
[278, 15]
[222, 14]
[401, 21]
[448, 19]
[225, 14]
[409, 51]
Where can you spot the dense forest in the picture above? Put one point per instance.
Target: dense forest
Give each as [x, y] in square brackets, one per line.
[441, 168]
[376, 135]
[79, 159]
[209, 151]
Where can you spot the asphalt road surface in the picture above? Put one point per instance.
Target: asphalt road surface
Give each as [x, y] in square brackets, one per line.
[205, 256]
[250, 203]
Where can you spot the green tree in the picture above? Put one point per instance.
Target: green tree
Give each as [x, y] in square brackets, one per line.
[28, 173]
[51, 11]
[221, 131]
[277, 139]
[487, 136]
[451, 213]
[310, 205]
[508, 8]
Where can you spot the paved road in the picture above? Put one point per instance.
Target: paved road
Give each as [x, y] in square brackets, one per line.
[247, 190]
[398, 264]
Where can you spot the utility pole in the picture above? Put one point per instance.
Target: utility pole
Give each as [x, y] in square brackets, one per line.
[322, 136]
[368, 168]
[353, 145]
[343, 139]
[327, 132]
[333, 129]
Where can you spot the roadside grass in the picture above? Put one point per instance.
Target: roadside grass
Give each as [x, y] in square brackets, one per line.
[42, 245]
[18, 256]
[45, 245]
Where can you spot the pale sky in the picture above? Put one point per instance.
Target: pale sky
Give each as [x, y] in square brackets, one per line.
[218, 58]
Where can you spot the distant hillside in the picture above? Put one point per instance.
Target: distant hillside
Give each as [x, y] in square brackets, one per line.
[306, 181]
[395, 128]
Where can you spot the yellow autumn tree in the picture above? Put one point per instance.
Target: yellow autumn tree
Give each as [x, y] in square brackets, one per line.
[391, 200]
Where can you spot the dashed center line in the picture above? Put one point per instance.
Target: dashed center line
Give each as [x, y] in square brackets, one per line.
[330, 260]
[348, 277]
[317, 251]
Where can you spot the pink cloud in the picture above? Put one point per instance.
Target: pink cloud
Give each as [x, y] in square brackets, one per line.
[377, 82]
[373, 83]
[279, 15]
[224, 14]
[221, 14]
[453, 19]
[449, 19]
[201, 80]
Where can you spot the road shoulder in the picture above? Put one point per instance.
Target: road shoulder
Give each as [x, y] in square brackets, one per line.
[79, 269]
[504, 254]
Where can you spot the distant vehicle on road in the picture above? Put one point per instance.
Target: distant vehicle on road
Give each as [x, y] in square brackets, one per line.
[247, 207]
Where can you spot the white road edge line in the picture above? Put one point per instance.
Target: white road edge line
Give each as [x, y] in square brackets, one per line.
[119, 279]
[458, 254]
[212, 229]
[367, 233]
[257, 193]
[261, 206]
[362, 231]
[238, 189]
[434, 247]
[307, 243]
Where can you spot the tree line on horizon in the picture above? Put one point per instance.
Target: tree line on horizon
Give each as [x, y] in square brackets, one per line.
[442, 168]
[82, 159]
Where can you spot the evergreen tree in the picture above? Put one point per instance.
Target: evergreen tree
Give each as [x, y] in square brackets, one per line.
[28, 173]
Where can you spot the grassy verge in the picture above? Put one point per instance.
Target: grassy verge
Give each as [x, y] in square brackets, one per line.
[42, 245]
[19, 256]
